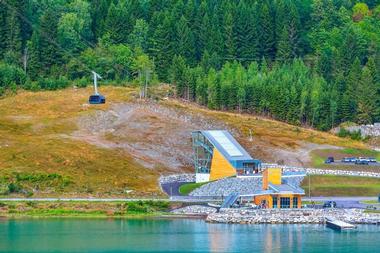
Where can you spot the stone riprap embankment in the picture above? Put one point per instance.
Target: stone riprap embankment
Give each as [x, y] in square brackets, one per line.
[226, 186]
[343, 173]
[365, 130]
[240, 185]
[177, 178]
[195, 210]
[292, 216]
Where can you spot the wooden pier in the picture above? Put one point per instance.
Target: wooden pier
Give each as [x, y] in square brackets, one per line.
[339, 225]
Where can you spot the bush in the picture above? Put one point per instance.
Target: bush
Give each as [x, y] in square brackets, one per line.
[32, 86]
[52, 83]
[83, 82]
[137, 207]
[355, 135]
[14, 188]
[147, 206]
[11, 77]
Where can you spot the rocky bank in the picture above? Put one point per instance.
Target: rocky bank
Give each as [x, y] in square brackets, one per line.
[292, 216]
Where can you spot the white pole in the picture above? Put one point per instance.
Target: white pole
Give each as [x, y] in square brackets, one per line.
[96, 76]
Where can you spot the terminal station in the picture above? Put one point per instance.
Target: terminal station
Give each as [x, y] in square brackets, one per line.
[218, 155]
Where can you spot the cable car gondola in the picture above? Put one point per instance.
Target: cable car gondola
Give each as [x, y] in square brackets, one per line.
[96, 98]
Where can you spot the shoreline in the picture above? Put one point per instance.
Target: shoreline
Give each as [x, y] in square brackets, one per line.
[170, 210]
[293, 216]
[211, 219]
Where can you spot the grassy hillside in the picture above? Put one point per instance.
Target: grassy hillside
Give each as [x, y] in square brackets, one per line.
[342, 186]
[40, 156]
[34, 138]
[273, 132]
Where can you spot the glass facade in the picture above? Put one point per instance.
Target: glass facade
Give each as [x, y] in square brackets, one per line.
[274, 199]
[295, 202]
[202, 153]
[284, 202]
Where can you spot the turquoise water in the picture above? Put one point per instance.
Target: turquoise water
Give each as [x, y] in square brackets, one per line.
[178, 235]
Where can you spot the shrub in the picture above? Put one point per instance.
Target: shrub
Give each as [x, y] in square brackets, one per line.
[83, 82]
[137, 207]
[11, 77]
[53, 83]
[355, 135]
[14, 188]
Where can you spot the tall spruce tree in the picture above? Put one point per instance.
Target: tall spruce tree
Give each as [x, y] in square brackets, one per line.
[45, 53]
[184, 41]
[266, 31]
[366, 98]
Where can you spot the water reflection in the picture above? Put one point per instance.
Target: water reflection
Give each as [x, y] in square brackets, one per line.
[118, 235]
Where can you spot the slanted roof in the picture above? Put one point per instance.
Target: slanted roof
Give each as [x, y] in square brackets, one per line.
[227, 145]
[286, 188]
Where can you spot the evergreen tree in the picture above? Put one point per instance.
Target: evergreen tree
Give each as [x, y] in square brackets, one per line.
[177, 76]
[45, 52]
[160, 47]
[139, 36]
[3, 28]
[228, 36]
[213, 90]
[99, 11]
[13, 37]
[366, 98]
[266, 31]
[288, 40]
[245, 33]
[184, 43]
[118, 23]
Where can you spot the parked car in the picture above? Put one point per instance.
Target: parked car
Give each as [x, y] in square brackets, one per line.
[349, 160]
[371, 207]
[329, 204]
[372, 160]
[362, 161]
[329, 159]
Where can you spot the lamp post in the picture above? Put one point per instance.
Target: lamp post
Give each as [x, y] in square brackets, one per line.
[309, 187]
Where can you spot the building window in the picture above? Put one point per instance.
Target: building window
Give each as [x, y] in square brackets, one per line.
[284, 202]
[203, 151]
[295, 202]
[274, 199]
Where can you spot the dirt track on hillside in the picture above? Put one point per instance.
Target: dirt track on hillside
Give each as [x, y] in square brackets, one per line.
[159, 137]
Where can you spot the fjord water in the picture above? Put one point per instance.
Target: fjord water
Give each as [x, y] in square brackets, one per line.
[177, 235]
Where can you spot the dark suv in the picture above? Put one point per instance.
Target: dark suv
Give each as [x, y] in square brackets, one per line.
[329, 159]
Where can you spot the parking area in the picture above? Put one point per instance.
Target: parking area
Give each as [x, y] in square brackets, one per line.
[349, 161]
[339, 162]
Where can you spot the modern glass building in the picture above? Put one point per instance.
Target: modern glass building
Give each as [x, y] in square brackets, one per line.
[217, 155]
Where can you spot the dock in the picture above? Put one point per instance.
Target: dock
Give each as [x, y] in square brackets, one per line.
[339, 225]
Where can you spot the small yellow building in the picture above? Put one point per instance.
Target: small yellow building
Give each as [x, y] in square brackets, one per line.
[276, 193]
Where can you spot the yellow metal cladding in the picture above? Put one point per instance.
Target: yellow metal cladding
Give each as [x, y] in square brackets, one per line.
[271, 175]
[268, 199]
[220, 167]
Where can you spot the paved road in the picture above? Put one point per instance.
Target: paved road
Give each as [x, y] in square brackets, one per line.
[339, 198]
[76, 199]
[172, 189]
[344, 202]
